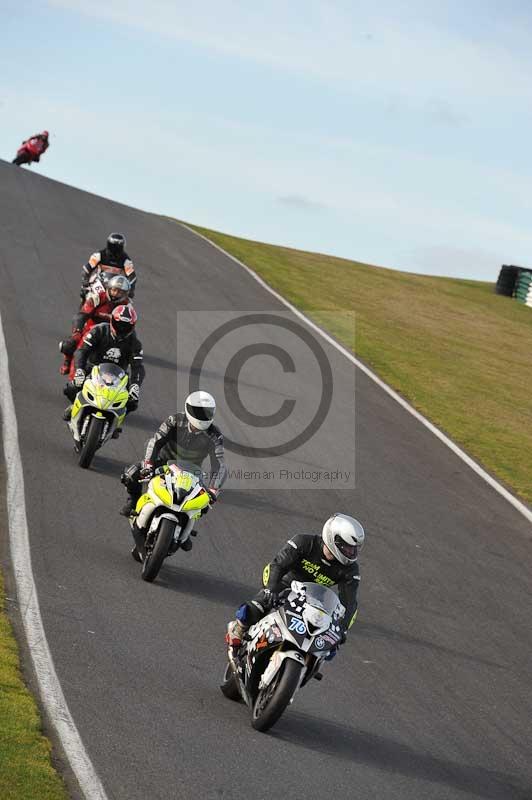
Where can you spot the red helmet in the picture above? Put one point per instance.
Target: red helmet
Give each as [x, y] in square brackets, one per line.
[122, 322]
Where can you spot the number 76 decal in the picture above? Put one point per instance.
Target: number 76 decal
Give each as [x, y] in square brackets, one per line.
[297, 625]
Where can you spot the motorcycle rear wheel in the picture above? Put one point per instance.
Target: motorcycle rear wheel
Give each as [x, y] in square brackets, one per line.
[229, 685]
[272, 701]
[91, 443]
[154, 561]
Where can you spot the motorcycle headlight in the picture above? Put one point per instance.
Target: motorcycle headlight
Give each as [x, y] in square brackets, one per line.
[316, 620]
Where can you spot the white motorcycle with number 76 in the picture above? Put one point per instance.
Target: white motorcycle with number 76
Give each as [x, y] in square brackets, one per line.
[283, 651]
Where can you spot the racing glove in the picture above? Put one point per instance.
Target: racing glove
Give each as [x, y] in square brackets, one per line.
[335, 649]
[271, 598]
[134, 392]
[146, 469]
[213, 495]
[79, 378]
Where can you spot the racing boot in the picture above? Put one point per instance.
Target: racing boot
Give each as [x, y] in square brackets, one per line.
[136, 555]
[129, 507]
[236, 631]
[67, 413]
[64, 369]
[67, 347]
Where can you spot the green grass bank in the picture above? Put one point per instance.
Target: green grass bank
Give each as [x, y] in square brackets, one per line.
[456, 351]
[26, 770]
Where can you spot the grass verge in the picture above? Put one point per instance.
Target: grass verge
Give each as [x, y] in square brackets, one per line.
[26, 770]
[456, 351]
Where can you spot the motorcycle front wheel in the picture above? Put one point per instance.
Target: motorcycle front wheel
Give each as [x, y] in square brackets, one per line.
[91, 443]
[229, 685]
[274, 698]
[154, 559]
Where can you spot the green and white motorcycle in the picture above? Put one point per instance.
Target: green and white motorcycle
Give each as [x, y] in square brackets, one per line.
[164, 515]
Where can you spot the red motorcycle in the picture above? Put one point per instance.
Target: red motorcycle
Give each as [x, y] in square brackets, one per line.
[32, 149]
[99, 305]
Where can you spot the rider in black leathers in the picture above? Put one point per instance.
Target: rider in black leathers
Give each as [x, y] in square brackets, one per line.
[328, 559]
[116, 343]
[112, 259]
[189, 437]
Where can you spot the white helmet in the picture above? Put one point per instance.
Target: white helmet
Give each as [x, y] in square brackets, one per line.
[343, 536]
[199, 408]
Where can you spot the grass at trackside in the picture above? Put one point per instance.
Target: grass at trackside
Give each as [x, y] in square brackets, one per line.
[459, 353]
[26, 771]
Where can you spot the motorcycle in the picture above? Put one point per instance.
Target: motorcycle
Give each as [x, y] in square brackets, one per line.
[29, 152]
[283, 651]
[98, 410]
[100, 316]
[164, 515]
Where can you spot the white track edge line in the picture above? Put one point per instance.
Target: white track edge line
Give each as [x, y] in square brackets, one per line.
[517, 504]
[49, 686]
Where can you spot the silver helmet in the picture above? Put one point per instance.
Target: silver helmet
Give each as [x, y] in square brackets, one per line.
[200, 408]
[343, 536]
[120, 287]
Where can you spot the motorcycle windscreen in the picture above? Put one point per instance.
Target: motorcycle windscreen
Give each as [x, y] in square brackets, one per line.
[321, 597]
[110, 374]
[188, 466]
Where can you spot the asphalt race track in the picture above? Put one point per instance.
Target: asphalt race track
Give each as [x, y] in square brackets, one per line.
[431, 696]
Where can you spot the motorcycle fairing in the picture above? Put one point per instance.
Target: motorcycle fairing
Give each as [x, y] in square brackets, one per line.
[178, 491]
[105, 390]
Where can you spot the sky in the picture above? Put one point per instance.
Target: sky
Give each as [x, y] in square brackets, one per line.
[395, 133]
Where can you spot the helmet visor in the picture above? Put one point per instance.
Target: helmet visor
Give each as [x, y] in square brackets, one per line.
[350, 551]
[115, 293]
[203, 413]
[122, 329]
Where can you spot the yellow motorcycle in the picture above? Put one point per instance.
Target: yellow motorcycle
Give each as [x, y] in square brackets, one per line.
[165, 513]
[98, 410]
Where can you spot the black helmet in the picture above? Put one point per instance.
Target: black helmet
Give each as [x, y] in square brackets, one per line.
[116, 243]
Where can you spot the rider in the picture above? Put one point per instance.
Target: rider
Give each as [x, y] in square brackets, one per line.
[39, 143]
[114, 342]
[113, 258]
[188, 436]
[328, 559]
[97, 307]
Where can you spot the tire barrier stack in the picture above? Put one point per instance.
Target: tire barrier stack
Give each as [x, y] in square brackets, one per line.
[507, 280]
[523, 287]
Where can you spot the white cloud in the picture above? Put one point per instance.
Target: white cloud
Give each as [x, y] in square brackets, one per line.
[300, 202]
[353, 46]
